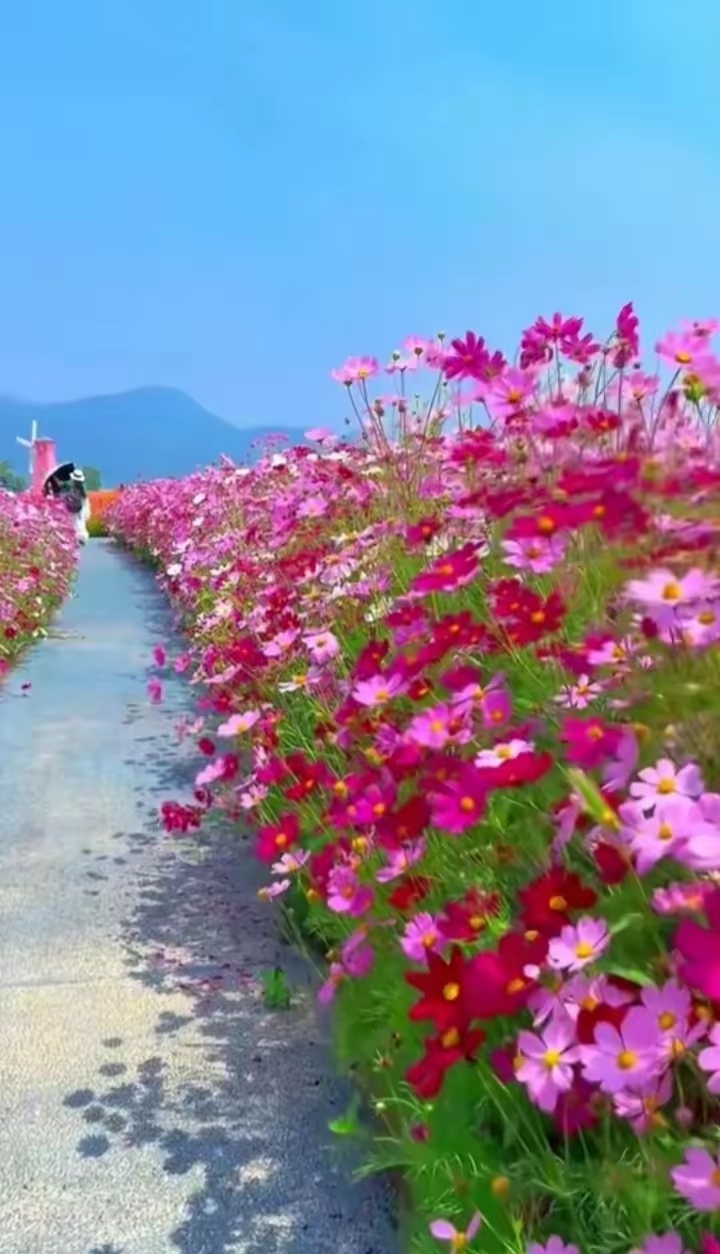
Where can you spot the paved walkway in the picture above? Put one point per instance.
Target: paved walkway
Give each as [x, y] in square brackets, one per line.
[149, 1102]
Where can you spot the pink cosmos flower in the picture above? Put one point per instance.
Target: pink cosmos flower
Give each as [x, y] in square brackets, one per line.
[697, 1179]
[642, 1109]
[322, 646]
[355, 369]
[399, 861]
[377, 690]
[665, 779]
[662, 834]
[539, 554]
[625, 1059]
[443, 1230]
[616, 773]
[435, 727]
[579, 695]
[281, 643]
[586, 991]
[670, 1005]
[495, 704]
[554, 1245]
[422, 935]
[666, 592]
[547, 1067]
[578, 944]
[345, 893]
[239, 723]
[155, 690]
[159, 655]
[669, 1243]
[506, 751]
[312, 507]
[709, 1059]
[327, 991]
[681, 349]
[681, 898]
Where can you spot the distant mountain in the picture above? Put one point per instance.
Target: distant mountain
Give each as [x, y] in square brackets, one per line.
[149, 433]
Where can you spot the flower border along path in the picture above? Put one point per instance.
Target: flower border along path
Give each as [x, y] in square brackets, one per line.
[38, 555]
[476, 672]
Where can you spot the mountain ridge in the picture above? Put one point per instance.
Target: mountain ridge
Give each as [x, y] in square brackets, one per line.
[148, 432]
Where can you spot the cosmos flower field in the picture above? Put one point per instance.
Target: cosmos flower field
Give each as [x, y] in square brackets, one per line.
[460, 680]
[37, 563]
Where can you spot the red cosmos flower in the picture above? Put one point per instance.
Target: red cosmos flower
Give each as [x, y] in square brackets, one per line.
[180, 818]
[496, 979]
[591, 1016]
[422, 532]
[464, 920]
[550, 518]
[526, 768]
[404, 824]
[410, 891]
[443, 996]
[370, 659]
[535, 618]
[442, 1052]
[459, 630]
[700, 949]
[577, 1109]
[612, 863]
[451, 571]
[275, 839]
[589, 741]
[310, 777]
[548, 901]
[206, 746]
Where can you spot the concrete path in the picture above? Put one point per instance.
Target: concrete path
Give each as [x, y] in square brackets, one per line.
[149, 1102]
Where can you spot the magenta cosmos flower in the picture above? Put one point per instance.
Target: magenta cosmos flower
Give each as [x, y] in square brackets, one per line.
[697, 1179]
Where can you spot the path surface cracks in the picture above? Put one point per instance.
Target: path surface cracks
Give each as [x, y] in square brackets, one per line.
[149, 1102]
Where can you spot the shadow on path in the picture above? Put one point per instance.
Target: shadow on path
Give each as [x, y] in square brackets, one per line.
[235, 1097]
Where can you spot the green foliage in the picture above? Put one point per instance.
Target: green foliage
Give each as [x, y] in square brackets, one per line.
[10, 480]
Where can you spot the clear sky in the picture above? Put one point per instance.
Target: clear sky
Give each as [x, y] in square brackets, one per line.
[230, 196]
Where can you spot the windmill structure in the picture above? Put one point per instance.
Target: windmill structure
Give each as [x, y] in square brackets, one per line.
[30, 444]
[42, 456]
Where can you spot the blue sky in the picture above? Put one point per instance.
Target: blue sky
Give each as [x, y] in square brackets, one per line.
[231, 196]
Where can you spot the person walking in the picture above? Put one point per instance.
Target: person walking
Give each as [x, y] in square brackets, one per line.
[76, 500]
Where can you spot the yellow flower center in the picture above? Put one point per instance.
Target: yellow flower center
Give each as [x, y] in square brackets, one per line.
[666, 786]
[672, 592]
[666, 1020]
[583, 949]
[450, 1039]
[467, 804]
[627, 1060]
[451, 992]
[551, 1058]
[558, 903]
